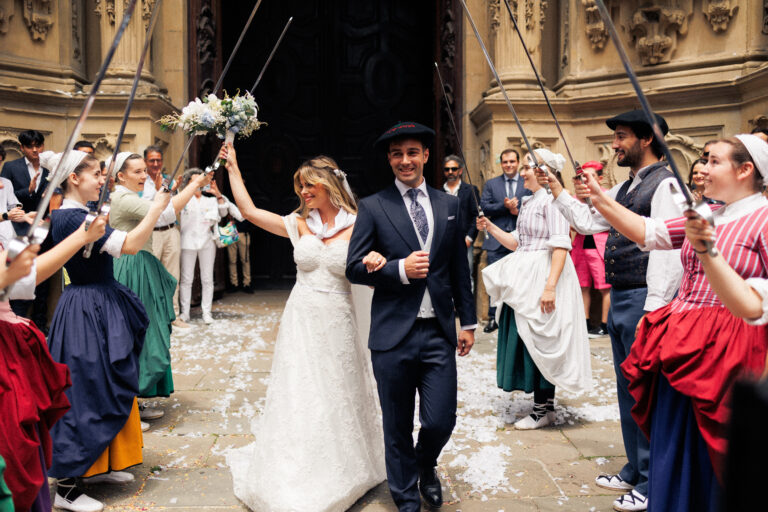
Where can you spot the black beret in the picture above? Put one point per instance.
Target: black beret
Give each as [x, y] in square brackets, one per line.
[634, 118]
[407, 129]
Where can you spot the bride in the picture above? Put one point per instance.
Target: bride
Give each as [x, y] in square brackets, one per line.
[318, 443]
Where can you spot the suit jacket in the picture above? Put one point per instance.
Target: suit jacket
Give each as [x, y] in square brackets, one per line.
[384, 225]
[492, 203]
[16, 172]
[468, 209]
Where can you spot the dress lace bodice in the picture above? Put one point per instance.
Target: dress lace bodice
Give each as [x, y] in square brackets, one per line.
[319, 265]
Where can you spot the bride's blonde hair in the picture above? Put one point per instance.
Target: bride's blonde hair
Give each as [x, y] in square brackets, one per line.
[320, 170]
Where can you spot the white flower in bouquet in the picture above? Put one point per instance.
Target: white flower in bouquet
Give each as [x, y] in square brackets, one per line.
[225, 117]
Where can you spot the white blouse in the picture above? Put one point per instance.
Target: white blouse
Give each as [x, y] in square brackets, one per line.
[197, 220]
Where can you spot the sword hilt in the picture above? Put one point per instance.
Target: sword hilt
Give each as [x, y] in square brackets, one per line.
[88, 221]
[580, 174]
[19, 244]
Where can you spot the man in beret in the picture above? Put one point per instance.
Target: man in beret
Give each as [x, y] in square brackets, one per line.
[640, 281]
[417, 293]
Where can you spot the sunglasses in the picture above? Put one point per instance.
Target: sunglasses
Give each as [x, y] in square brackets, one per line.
[450, 169]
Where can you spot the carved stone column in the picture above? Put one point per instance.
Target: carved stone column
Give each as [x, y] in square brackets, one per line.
[509, 56]
[128, 52]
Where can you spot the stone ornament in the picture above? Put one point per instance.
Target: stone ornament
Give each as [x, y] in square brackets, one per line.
[594, 26]
[654, 31]
[719, 13]
[6, 13]
[147, 6]
[765, 17]
[494, 13]
[38, 18]
[106, 8]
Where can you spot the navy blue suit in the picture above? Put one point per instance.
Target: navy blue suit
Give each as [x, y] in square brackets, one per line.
[492, 203]
[468, 208]
[16, 172]
[410, 354]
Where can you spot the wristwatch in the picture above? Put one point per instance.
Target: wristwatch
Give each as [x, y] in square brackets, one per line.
[5, 215]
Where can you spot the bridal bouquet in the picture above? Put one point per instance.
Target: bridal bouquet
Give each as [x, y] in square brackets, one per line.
[225, 117]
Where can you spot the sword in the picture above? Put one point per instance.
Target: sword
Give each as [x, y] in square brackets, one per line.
[701, 208]
[488, 59]
[219, 162]
[38, 230]
[576, 167]
[458, 142]
[102, 207]
[167, 182]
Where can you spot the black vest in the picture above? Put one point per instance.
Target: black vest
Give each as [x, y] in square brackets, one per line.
[625, 263]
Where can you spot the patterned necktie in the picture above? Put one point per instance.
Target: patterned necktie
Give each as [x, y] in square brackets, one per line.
[418, 215]
[510, 187]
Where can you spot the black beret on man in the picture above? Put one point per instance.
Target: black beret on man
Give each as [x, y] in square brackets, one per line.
[635, 118]
[405, 130]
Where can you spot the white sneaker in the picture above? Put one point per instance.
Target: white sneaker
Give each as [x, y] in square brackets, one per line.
[113, 477]
[613, 482]
[83, 503]
[531, 423]
[144, 426]
[150, 414]
[180, 324]
[207, 319]
[633, 501]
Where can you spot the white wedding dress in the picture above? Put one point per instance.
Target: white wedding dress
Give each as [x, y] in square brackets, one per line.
[318, 443]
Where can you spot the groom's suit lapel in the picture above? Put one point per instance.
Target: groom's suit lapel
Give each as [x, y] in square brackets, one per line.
[394, 208]
[440, 216]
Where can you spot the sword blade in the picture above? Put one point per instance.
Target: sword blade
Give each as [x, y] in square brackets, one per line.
[167, 182]
[55, 176]
[111, 171]
[271, 54]
[646, 106]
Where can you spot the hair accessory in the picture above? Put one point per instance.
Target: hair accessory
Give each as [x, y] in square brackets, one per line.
[758, 150]
[343, 177]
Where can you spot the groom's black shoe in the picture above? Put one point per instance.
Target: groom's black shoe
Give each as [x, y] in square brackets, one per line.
[490, 326]
[429, 487]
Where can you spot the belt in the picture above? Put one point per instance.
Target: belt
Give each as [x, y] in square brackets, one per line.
[165, 228]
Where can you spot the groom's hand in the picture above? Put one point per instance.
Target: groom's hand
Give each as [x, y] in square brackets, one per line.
[417, 265]
[465, 342]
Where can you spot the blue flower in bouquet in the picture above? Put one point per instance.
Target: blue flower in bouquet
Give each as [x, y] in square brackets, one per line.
[230, 114]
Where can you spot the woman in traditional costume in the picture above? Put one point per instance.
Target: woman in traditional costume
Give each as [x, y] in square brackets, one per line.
[689, 353]
[143, 273]
[98, 332]
[543, 339]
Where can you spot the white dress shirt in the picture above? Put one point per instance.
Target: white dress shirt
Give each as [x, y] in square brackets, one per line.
[197, 219]
[664, 267]
[31, 170]
[7, 202]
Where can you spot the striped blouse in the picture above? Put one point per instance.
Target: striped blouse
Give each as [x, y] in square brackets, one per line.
[741, 236]
[540, 225]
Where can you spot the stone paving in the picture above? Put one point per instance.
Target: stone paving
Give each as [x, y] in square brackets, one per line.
[221, 374]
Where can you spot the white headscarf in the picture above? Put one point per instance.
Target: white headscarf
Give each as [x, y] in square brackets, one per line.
[555, 161]
[50, 160]
[758, 150]
[119, 160]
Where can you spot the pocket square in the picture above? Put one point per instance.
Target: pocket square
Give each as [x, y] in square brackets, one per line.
[451, 217]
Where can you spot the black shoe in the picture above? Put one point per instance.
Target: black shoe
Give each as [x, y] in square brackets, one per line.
[597, 332]
[248, 289]
[490, 326]
[231, 288]
[429, 487]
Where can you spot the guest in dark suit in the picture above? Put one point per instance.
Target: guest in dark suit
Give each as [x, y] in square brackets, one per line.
[500, 203]
[29, 179]
[423, 282]
[453, 170]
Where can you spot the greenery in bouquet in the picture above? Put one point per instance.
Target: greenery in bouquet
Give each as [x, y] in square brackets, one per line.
[234, 114]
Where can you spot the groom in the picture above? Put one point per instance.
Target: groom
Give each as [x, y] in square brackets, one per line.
[413, 328]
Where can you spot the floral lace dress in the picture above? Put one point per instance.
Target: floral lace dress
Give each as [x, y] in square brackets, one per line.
[318, 443]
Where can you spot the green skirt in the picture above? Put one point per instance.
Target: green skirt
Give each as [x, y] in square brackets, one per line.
[146, 276]
[6, 499]
[515, 370]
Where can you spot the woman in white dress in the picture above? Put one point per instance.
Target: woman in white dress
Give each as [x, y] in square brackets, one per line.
[543, 339]
[318, 443]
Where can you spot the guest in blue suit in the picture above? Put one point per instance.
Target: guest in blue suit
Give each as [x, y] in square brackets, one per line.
[500, 203]
[423, 283]
[29, 179]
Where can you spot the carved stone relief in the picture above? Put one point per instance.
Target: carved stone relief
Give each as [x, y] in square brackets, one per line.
[38, 18]
[106, 8]
[719, 13]
[765, 17]
[146, 11]
[684, 150]
[494, 13]
[566, 21]
[6, 13]
[206, 35]
[77, 50]
[654, 31]
[594, 26]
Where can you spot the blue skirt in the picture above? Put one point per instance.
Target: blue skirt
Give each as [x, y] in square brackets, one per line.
[98, 332]
[681, 477]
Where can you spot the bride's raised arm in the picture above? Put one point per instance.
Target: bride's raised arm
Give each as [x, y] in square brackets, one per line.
[268, 221]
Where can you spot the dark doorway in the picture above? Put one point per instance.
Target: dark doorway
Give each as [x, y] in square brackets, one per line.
[346, 71]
